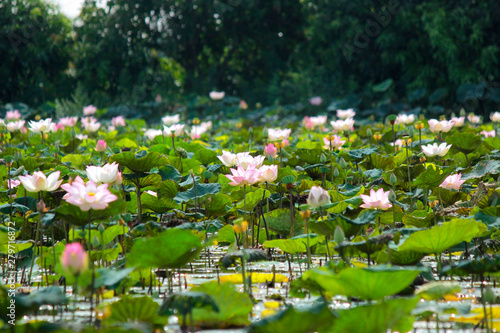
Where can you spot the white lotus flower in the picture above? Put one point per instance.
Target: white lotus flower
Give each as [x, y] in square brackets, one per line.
[436, 150]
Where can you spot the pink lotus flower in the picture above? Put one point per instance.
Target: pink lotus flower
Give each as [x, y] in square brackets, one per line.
[14, 126]
[13, 115]
[458, 121]
[333, 142]
[285, 143]
[74, 259]
[88, 196]
[440, 126]
[118, 121]
[376, 200]
[39, 182]
[398, 143]
[318, 197]
[68, 121]
[101, 146]
[243, 105]
[489, 134]
[436, 150]
[345, 114]
[241, 176]
[343, 125]
[316, 101]
[473, 119]
[495, 117]
[278, 134]
[245, 160]
[89, 110]
[268, 173]
[271, 150]
[453, 182]
[11, 183]
[196, 132]
[308, 124]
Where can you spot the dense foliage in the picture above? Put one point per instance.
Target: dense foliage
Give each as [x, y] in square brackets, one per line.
[262, 51]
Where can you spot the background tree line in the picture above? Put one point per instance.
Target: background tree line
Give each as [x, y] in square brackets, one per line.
[265, 51]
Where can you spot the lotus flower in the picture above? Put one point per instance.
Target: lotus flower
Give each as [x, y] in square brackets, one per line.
[316, 101]
[174, 130]
[118, 121]
[90, 124]
[318, 197]
[241, 176]
[440, 126]
[243, 105]
[268, 173]
[453, 182]
[245, 160]
[398, 143]
[13, 115]
[318, 121]
[271, 150]
[42, 126]
[89, 110]
[458, 121]
[196, 132]
[228, 158]
[11, 183]
[308, 124]
[343, 125]
[82, 137]
[152, 133]
[405, 119]
[88, 196]
[345, 114]
[101, 146]
[376, 200]
[207, 124]
[171, 120]
[473, 119]
[488, 134]
[278, 134]
[68, 121]
[333, 142]
[495, 117]
[436, 150]
[74, 259]
[14, 126]
[107, 174]
[217, 95]
[39, 182]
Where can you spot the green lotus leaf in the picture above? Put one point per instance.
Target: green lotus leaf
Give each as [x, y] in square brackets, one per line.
[440, 238]
[234, 307]
[140, 162]
[74, 215]
[366, 283]
[294, 245]
[173, 248]
[482, 168]
[137, 309]
[464, 141]
[432, 177]
[394, 315]
[279, 221]
[201, 191]
[253, 199]
[296, 320]
[156, 204]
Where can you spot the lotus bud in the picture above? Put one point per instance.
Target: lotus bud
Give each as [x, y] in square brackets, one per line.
[336, 172]
[322, 158]
[74, 259]
[101, 146]
[40, 206]
[393, 179]
[318, 197]
[338, 236]
[392, 196]
[101, 228]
